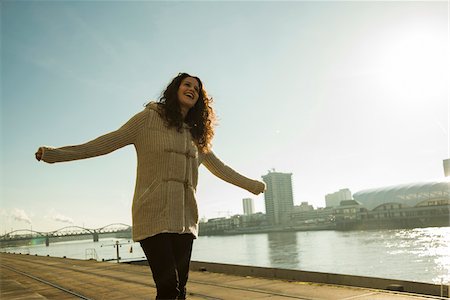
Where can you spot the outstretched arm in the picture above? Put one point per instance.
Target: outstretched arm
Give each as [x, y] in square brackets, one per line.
[224, 172]
[102, 145]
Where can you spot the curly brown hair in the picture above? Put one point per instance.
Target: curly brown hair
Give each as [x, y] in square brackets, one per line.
[201, 117]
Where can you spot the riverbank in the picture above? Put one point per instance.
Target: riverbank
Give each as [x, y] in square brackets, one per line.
[347, 225]
[268, 229]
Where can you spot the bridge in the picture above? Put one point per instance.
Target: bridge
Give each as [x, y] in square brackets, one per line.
[68, 231]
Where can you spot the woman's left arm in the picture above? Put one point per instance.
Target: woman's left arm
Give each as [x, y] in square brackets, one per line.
[224, 172]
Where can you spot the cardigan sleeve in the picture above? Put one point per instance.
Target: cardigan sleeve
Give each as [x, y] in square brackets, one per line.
[102, 145]
[224, 172]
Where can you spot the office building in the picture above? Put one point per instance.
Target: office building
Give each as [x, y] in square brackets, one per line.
[334, 199]
[278, 197]
[447, 167]
[249, 206]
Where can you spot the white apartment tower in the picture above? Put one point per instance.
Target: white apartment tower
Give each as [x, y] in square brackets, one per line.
[278, 196]
[249, 206]
[447, 167]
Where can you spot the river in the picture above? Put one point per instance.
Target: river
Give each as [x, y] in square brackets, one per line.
[421, 254]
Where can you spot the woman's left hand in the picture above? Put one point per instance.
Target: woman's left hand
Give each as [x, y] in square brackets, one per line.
[39, 153]
[259, 188]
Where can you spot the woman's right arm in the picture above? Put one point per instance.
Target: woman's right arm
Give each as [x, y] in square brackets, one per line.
[102, 145]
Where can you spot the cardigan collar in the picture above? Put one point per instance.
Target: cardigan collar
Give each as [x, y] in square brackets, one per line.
[158, 108]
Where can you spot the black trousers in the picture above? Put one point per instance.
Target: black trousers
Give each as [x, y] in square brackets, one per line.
[169, 255]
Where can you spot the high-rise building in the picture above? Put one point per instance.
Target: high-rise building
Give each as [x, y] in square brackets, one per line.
[249, 206]
[447, 167]
[334, 199]
[278, 196]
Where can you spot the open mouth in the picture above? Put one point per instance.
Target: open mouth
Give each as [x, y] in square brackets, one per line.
[189, 95]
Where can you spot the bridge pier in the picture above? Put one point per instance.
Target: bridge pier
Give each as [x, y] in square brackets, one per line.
[95, 235]
[47, 241]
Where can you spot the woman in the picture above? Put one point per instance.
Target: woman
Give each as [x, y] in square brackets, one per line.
[172, 138]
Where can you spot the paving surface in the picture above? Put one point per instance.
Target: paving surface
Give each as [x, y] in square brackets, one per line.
[35, 277]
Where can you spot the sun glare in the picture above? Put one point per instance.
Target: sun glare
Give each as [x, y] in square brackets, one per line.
[412, 63]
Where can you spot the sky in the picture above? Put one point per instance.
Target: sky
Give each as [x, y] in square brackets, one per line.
[350, 94]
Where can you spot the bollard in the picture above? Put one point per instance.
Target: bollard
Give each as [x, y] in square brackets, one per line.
[117, 251]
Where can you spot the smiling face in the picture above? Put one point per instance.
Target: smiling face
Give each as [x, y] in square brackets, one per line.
[188, 93]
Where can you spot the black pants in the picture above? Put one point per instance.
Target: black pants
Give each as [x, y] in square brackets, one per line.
[169, 255]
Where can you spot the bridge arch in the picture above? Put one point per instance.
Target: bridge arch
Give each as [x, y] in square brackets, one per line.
[60, 230]
[15, 233]
[104, 228]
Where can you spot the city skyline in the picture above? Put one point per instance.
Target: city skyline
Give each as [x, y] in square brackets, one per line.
[340, 94]
[247, 203]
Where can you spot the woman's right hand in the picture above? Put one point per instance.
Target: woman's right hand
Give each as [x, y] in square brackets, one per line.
[39, 153]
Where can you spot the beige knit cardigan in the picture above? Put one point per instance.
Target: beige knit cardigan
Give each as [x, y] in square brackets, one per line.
[167, 171]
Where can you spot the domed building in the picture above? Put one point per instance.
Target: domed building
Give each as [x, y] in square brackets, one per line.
[405, 195]
[423, 204]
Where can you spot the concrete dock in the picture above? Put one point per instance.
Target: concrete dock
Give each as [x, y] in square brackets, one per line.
[37, 277]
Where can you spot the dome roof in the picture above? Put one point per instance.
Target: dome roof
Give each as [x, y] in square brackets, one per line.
[406, 194]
